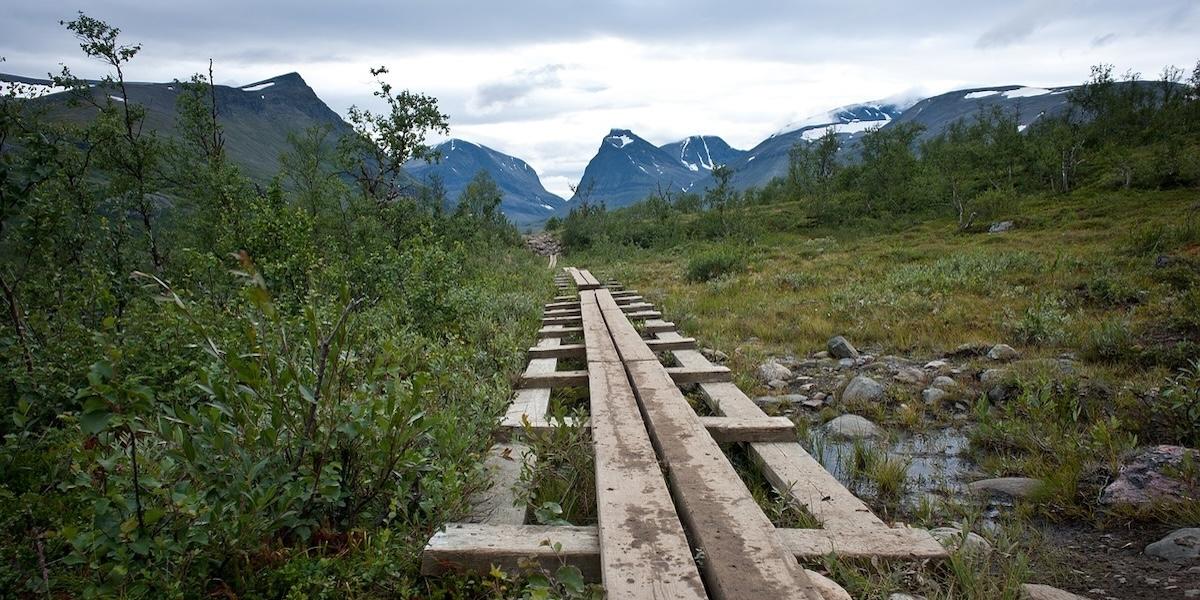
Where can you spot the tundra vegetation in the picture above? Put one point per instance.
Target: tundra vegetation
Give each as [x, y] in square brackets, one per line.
[1074, 239]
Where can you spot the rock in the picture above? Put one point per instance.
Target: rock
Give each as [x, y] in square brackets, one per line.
[910, 375]
[845, 363]
[898, 596]
[863, 389]
[777, 384]
[954, 539]
[993, 377]
[942, 382]
[827, 589]
[1003, 352]
[1146, 479]
[813, 403]
[714, 355]
[1181, 546]
[1000, 393]
[783, 400]
[934, 396]
[820, 396]
[1013, 487]
[1001, 227]
[970, 349]
[821, 355]
[1037, 591]
[935, 365]
[852, 427]
[772, 370]
[839, 347]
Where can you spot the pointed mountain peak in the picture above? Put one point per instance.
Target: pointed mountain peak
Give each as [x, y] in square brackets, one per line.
[619, 138]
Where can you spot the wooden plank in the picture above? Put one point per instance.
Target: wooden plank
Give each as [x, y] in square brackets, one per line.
[590, 279]
[579, 350]
[570, 302]
[498, 505]
[891, 543]
[743, 558]
[643, 315]
[466, 547]
[556, 379]
[622, 293]
[562, 312]
[788, 467]
[476, 547]
[558, 332]
[567, 320]
[578, 378]
[644, 552]
[624, 335]
[769, 429]
[658, 326]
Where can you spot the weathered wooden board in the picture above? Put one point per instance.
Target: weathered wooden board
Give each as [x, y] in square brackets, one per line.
[498, 505]
[644, 552]
[558, 332]
[767, 429]
[578, 378]
[743, 558]
[580, 351]
[658, 326]
[467, 547]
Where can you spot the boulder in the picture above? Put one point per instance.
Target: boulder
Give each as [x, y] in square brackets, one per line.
[821, 355]
[942, 382]
[777, 384]
[1037, 591]
[970, 349]
[1003, 352]
[1001, 226]
[845, 363]
[863, 389]
[934, 396]
[955, 539]
[772, 370]
[714, 355]
[1013, 487]
[840, 347]
[909, 375]
[1181, 546]
[1148, 478]
[852, 427]
[936, 365]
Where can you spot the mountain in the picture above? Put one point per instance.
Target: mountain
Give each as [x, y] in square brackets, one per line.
[702, 152]
[525, 201]
[769, 159]
[627, 168]
[936, 113]
[256, 118]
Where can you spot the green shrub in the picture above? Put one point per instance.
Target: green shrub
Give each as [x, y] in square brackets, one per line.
[1108, 341]
[1043, 323]
[714, 264]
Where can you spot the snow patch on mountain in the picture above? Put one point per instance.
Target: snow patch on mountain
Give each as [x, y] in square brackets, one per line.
[1025, 92]
[851, 128]
[619, 141]
[258, 87]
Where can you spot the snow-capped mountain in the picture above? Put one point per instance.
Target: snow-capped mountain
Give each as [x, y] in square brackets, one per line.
[525, 201]
[936, 113]
[627, 169]
[769, 159]
[700, 153]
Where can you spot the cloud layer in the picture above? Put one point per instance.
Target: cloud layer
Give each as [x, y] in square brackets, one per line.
[546, 79]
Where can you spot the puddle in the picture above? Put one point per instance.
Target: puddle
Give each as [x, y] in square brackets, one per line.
[936, 461]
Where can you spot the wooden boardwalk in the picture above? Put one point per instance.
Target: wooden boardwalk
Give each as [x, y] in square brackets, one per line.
[675, 519]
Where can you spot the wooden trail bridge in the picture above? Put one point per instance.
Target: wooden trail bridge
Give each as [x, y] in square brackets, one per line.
[675, 520]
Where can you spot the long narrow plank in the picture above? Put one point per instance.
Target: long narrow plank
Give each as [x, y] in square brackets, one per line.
[590, 279]
[558, 332]
[743, 558]
[498, 505]
[788, 467]
[476, 547]
[644, 553]
[658, 326]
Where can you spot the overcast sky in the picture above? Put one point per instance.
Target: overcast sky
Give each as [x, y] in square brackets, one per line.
[545, 80]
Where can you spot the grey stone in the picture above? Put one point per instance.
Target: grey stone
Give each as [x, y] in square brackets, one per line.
[777, 384]
[1037, 591]
[935, 365]
[1013, 487]
[845, 363]
[781, 401]
[714, 355]
[992, 377]
[852, 427]
[910, 375]
[1001, 227]
[1003, 352]
[821, 355]
[1181, 546]
[934, 396]
[899, 596]
[1148, 478]
[863, 389]
[942, 382]
[773, 370]
[840, 347]
[969, 542]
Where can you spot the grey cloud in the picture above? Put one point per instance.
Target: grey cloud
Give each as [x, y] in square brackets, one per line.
[496, 94]
[1009, 32]
[1104, 40]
